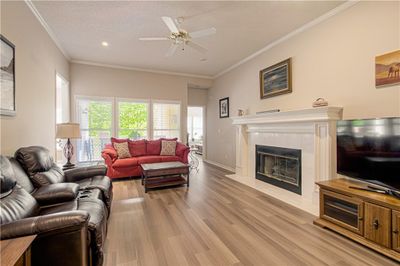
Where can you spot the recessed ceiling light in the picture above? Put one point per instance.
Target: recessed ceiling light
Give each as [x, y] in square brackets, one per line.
[105, 44]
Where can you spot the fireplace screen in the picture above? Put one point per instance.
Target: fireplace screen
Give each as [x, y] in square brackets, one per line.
[279, 166]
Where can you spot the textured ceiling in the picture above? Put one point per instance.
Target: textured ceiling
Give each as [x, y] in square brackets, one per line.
[242, 29]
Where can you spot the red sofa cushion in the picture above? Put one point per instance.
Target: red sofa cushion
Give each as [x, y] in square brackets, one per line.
[137, 147]
[169, 158]
[153, 147]
[127, 162]
[149, 159]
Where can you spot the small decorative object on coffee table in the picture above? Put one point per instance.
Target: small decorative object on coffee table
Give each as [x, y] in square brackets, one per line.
[164, 174]
[68, 131]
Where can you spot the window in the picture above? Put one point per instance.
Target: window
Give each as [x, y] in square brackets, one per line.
[132, 119]
[102, 118]
[166, 120]
[62, 111]
[62, 100]
[195, 125]
[95, 116]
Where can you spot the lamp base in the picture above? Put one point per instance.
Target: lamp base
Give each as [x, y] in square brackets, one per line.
[68, 165]
[68, 152]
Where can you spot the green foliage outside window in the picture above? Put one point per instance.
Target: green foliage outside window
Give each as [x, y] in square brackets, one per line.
[100, 118]
[132, 120]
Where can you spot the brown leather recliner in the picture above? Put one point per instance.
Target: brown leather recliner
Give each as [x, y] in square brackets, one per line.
[39, 165]
[28, 210]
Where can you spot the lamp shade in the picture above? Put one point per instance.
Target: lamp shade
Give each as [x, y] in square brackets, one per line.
[68, 131]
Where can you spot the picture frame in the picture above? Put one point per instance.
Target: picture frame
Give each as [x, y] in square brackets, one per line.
[387, 69]
[224, 107]
[7, 78]
[276, 79]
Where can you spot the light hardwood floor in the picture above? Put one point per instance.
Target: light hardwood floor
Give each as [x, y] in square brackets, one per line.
[218, 221]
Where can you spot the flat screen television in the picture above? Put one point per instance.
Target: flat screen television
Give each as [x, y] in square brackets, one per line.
[369, 150]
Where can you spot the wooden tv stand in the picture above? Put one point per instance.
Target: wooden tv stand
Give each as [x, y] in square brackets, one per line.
[369, 218]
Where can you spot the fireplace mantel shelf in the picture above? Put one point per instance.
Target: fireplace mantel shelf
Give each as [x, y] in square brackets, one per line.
[304, 115]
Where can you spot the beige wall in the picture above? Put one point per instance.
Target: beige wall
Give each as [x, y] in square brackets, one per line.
[333, 60]
[197, 97]
[87, 80]
[37, 61]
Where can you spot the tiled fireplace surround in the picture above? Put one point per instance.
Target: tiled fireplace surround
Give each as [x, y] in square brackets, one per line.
[313, 131]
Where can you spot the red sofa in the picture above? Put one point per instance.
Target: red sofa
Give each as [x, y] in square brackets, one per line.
[142, 151]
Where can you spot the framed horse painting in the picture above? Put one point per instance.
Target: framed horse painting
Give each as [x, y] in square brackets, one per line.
[387, 69]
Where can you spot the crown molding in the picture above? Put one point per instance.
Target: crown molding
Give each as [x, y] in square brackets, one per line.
[299, 30]
[46, 27]
[303, 28]
[140, 69]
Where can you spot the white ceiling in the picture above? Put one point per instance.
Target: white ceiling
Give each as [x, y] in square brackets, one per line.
[242, 29]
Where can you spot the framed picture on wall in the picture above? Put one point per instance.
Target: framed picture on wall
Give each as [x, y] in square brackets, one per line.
[7, 77]
[387, 69]
[276, 79]
[224, 107]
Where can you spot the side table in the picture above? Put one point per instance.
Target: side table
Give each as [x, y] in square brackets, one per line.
[16, 251]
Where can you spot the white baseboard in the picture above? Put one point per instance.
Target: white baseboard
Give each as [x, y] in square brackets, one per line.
[225, 167]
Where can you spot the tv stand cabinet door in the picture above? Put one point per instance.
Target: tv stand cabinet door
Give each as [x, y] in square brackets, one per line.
[396, 230]
[377, 225]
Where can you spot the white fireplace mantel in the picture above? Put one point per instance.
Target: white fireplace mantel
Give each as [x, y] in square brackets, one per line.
[311, 130]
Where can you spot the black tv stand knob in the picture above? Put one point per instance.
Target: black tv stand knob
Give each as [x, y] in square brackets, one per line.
[376, 224]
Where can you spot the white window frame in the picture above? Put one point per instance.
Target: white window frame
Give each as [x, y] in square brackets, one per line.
[154, 101]
[96, 98]
[59, 143]
[130, 100]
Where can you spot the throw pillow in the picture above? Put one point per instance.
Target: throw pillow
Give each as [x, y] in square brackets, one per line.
[137, 147]
[168, 147]
[122, 150]
[153, 147]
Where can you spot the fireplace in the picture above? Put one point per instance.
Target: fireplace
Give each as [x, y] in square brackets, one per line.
[279, 166]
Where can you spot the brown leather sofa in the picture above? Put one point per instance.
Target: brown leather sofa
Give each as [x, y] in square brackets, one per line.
[40, 167]
[70, 219]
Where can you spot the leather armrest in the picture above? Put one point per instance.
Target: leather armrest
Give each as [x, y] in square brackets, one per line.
[79, 173]
[56, 193]
[52, 223]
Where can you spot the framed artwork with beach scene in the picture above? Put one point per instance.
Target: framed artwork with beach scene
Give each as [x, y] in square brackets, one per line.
[387, 69]
[7, 77]
[276, 80]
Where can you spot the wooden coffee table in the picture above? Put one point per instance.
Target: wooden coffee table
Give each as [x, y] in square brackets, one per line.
[165, 174]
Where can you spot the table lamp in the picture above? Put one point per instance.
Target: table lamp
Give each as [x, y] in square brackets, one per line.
[68, 131]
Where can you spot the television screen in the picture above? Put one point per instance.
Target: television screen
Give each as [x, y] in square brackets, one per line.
[369, 150]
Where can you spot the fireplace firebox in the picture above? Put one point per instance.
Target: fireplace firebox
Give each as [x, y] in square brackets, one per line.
[279, 166]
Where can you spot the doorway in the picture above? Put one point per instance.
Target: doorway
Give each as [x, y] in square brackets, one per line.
[196, 129]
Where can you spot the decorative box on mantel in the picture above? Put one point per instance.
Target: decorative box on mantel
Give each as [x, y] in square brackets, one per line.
[310, 132]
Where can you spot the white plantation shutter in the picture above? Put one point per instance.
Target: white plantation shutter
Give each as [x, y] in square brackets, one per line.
[166, 120]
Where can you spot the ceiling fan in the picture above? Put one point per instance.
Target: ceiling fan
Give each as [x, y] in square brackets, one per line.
[181, 37]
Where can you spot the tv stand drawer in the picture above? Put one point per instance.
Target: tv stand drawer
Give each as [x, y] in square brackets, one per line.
[342, 210]
[378, 224]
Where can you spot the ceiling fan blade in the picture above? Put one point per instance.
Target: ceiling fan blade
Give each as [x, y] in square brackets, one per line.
[203, 33]
[196, 46]
[154, 39]
[171, 50]
[170, 24]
